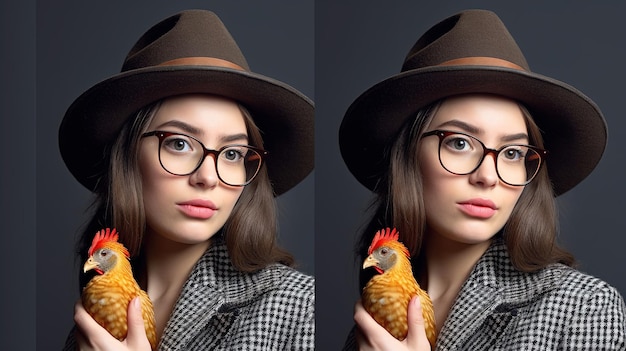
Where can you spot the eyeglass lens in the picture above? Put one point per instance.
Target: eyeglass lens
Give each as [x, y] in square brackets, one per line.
[235, 164]
[463, 154]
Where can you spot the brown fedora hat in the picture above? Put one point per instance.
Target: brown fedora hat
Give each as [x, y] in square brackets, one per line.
[190, 52]
[472, 52]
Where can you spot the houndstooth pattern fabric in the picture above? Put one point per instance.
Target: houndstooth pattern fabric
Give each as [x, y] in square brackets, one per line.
[221, 308]
[556, 308]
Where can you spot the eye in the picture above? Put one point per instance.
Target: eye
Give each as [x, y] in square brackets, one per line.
[513, 153]
[458, 142]
[384, 251]
[104, 253]
[232, 154]
[178, 143]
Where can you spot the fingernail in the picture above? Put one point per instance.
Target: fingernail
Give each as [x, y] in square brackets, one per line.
[417, 301]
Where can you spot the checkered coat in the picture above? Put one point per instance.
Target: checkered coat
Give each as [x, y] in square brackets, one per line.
[556, 308]
[221, 308]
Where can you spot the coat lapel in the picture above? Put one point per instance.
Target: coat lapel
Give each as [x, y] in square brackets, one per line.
[194, 308]
[490, 299]
[208, 305]
[474, 303]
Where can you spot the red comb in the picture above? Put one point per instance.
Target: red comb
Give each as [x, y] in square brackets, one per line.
[103, 237]
[383, 236]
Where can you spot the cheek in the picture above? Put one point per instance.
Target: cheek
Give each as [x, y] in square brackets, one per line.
[230, 199]
[512, 197]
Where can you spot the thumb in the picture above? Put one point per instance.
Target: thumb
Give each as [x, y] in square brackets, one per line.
[416, 337]
[136, 338]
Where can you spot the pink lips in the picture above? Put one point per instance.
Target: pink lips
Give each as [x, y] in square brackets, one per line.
[200, 209]
[478, 208]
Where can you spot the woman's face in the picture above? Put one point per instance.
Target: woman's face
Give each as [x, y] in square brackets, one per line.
[190, 209]
[471, 208]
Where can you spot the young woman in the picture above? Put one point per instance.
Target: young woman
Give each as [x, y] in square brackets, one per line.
[475, 147]
[173, 149]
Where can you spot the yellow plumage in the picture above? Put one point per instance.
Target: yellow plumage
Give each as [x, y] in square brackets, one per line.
[386, 296]
[106, 296]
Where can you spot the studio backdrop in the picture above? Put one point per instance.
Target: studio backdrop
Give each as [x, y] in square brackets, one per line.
[360, 43]
[82, 43]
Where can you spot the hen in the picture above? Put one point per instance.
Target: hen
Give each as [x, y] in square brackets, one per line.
[386, 296]
[107, 295]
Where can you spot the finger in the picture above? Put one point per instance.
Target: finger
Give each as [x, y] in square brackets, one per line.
[371, 335]
[89, 334]
[364, 321]
[84, 321]
[364, 336]
[136, 337]
[416, 337]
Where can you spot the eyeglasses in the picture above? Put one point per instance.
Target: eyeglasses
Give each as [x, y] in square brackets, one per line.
[462, 154]
[180, 154]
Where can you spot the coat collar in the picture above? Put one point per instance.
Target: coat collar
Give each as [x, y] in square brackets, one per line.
[493, 287]
[214, 287]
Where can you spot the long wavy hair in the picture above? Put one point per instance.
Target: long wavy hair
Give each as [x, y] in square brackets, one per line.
[529, 234]
[249, 232]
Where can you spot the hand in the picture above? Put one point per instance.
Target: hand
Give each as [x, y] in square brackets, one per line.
[91, 336]
[372, 336]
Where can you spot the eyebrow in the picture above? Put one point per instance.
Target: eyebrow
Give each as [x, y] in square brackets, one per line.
[470, 129]
[188, 128]
[234, 137]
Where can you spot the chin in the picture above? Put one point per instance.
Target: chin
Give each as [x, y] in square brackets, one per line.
[472, 234]
[477, 237]
[196, 236]
[189, 233]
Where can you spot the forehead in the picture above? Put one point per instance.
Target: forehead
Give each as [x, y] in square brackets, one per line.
[201, 111]
[485, 113]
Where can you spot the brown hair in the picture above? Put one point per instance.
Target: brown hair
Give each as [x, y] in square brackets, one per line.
[529, 234]
[249, 233]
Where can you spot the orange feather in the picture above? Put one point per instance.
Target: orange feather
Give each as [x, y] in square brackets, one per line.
[386, 296]
[107, 295]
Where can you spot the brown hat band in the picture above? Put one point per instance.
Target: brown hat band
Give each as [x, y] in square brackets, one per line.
[481, 61]
[201, 61]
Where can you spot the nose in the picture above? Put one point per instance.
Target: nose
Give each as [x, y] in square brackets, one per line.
[206, 175]
[486, 174]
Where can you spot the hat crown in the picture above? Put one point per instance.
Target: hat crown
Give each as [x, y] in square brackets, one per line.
[470, 34]
[188, 34]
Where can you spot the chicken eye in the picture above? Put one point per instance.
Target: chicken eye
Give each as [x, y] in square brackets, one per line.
[384, 251]
[104, 253]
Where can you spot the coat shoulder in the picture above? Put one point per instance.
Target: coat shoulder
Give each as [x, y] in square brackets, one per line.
[583, 286]
[293, 282]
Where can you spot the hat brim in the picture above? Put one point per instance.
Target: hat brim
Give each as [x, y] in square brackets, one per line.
[284, 115]
[573, 127]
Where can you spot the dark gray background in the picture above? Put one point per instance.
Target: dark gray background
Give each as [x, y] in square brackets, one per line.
[17, 177]
[80, 43]
[359, 43]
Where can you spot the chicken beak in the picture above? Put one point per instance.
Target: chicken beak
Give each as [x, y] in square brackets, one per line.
[370, 261]
[90, 264]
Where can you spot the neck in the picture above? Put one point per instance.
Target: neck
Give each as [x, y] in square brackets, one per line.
[167, 264]
[166, 267]
[448, 264]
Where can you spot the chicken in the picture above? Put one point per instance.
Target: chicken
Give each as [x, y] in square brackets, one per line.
[386, 296]
[107, 295]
